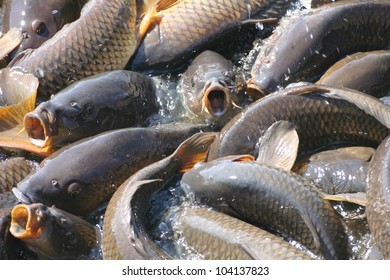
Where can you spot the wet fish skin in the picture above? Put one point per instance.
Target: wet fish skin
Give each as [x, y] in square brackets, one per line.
[124, 232]
[12, 171]
[272, 198]
[320, 121]
[53, 233]
[78, 184]
[311, 43]
[102, 39]
[218, 236]
[342, 170]
[363, 71]
[106, 101]
[7, 241]
[179, 32]
[210, 88]
[38, 20]
[378, 198]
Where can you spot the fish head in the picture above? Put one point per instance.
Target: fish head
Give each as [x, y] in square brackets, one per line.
[63, 120]
[38, 20]
[52, 232]
[52, 188]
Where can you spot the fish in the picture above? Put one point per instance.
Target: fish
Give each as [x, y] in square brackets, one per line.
[38, 20]
[269, 197]
[124, 225]
[8, 244]
[12, 171]
[342, 170]
[378, 198]
[184, 28]
[217, 236]
[363, 71]
[106, 101]
[210, 88]
[8, 42]
[18, 97]
[53, 233]
[102, 39]
[319, 115]
[79, 177]
[304, 47]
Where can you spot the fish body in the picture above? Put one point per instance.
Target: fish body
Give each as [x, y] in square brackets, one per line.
[320, 120]
[342, 170]
[12, 171]
[209, 88]
[272, 198]
[378, 198]
[364, 71]
[38, 20]
[7, 242]
[82, 175]
[306, 46]
[102, 39]
[189, 25]
[106, 101]
[218, 236]
[53, 233]
[124, 226]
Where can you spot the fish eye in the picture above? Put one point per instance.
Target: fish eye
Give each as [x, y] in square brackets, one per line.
[89, 110]
[74, 189]
[39, 27]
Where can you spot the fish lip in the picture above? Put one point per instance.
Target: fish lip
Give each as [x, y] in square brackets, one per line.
[26, 221]
[21, 196]
[39, 128]
[254, 90]
[211, 88]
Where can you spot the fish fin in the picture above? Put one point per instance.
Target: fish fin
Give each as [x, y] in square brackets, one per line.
[358, 198]
[9, 41]
[242, 158]
[194, 149]
[279, 145]
[369, 104]
[312, 228]
[256, 21]
[18, 98]
[151, 17]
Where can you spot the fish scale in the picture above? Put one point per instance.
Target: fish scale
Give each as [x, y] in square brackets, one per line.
[103, 39]
[188, 25]
[12, 171]
[272, 198]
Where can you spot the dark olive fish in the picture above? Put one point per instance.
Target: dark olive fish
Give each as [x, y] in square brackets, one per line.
[217, 236]
[368, 72]
[82, 175]
[53, 233]
[189, 25]
[378, 198]
[270, 197]
[8, 243]
[342, 170]
[306, 46]
[12, 171]
[102, 39]
[322, 116]
[124, 225]
[209, 88]
[106, 101]
[39, 20]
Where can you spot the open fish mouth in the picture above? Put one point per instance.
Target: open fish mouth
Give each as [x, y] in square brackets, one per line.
[216, 99]
[39, 127]
[26, 221]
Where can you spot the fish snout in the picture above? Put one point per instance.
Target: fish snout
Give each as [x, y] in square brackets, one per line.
[27, 221]
[255, 90]
[40, 126]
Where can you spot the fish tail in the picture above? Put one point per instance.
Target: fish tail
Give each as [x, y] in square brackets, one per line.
[194, 149]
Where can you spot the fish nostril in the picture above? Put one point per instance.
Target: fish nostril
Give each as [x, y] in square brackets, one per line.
[216, 100]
